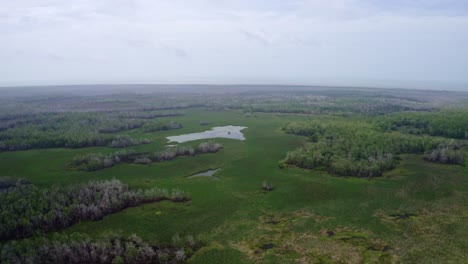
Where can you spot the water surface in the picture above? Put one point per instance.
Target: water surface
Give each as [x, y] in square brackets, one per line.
[232, 132]
[208, 173]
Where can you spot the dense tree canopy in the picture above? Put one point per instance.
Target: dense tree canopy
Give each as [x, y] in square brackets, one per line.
[353, 148]
[447, 123]
[27, 209]
[107, 249]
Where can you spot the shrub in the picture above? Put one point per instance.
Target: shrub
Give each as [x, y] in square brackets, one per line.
[267, 186]
[448, 152]
[208, 147]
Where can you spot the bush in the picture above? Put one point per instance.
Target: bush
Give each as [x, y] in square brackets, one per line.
[267, 186]
[208, 147]
[447, 152]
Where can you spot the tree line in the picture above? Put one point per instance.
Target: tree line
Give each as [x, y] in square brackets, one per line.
[26, 209]
[446, 123]
[160, 126]
[77, 130]
[109, 248]
[98, 161]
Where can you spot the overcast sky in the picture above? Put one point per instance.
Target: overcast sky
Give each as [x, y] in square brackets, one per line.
[242, 41]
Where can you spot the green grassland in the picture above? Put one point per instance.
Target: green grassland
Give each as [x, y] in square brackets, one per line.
[414, 213]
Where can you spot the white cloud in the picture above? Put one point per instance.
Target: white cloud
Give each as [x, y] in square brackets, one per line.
[237, 41]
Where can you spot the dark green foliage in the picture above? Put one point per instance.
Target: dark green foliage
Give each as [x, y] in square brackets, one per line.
[352, 148]
[447, 123]
[121, 126]
[152, 127]
[149, 114]
[107, 249]
[97, 161]
[26, 209]
[8, 182]
[126, 141]
[70, 130]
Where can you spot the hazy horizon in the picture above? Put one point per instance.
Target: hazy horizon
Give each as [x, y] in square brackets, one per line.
[363, 43]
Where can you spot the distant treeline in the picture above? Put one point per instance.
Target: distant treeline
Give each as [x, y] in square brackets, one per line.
[78, 130]
[107, 249]
[26, 209]
[447, 123]
[355, 148]
[126, 141]
[97, 161]
[87, 121]
[152, 127]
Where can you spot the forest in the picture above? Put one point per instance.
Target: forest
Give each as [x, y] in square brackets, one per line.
[356, 148]
[109, 249]
[26, 209]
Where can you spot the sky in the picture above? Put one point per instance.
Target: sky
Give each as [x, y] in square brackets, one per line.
[311, 42]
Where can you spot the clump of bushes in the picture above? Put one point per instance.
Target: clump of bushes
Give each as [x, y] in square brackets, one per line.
[267, 186]
[126, 141]
[26, 209]
[161, 126]
[143, 160]
[208, 147]
[8, 182]
[109, 248]
[98, 161]
[448, 152]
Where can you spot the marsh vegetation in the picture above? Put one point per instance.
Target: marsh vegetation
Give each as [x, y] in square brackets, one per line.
[311, 174]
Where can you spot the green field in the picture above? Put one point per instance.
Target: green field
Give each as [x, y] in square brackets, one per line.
[415, 213]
